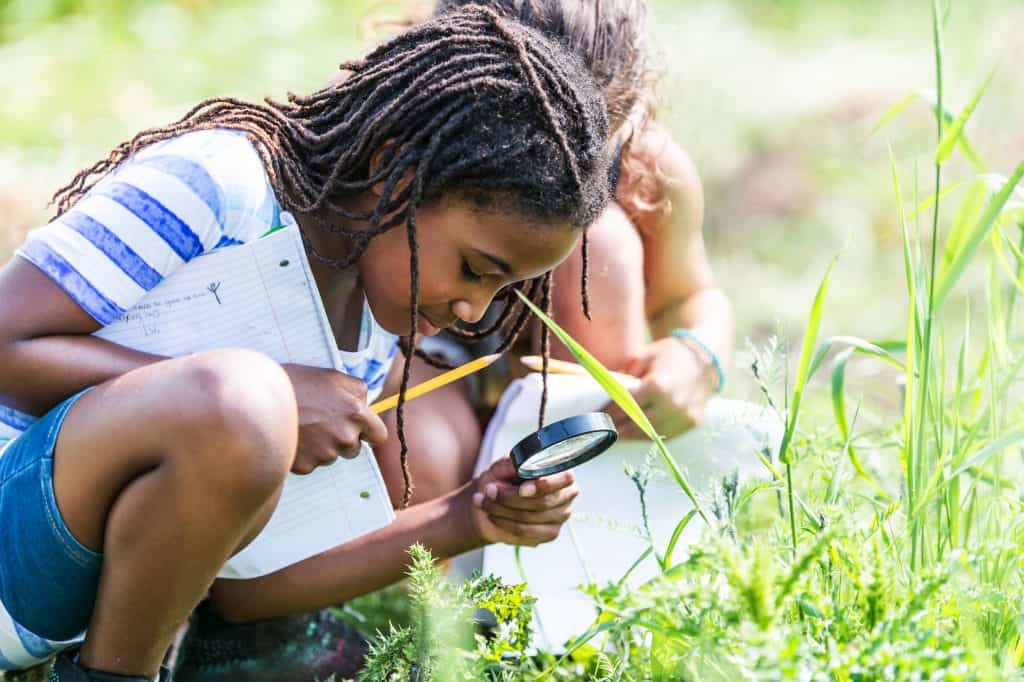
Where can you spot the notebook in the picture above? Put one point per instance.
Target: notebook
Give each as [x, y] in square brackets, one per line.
[261, 295]
[605, 535]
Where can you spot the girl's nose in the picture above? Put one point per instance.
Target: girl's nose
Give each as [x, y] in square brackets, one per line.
[471, 312]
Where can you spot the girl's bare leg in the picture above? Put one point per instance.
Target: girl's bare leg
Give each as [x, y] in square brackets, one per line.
[168, 471]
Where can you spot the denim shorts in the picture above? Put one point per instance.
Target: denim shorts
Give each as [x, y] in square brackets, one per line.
[48, 579]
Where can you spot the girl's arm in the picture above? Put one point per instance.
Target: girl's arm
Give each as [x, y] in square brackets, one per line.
[678, 374]
[46, 351]
[680, 289]
[494, 507]
[366, 564]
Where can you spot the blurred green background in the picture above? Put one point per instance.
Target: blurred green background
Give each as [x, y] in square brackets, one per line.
[774, 99]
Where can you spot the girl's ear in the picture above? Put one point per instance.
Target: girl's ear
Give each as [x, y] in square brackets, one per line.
[375, 161]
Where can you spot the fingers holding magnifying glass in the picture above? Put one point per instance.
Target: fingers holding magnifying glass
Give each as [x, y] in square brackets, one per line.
[523, 513]
[529, 534]
[506, 503]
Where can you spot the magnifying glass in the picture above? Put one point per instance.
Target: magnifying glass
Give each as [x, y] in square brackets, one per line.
[563, 445]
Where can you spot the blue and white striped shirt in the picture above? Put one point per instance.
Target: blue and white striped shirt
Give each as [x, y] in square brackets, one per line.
[172, 201]
[153, 214]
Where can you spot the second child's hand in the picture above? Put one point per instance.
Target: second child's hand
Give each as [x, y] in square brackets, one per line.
[675, 386]
[333, 417]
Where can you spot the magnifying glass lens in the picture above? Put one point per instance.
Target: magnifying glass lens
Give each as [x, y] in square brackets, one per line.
[563, 445]
[561, 452]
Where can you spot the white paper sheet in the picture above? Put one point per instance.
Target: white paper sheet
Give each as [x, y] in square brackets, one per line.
[261, 296]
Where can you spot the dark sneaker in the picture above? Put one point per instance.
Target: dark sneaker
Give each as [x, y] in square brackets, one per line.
[66, 668]
[303, 648]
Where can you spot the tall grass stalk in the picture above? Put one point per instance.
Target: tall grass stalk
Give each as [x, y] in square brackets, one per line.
[923, 404]
[804, 369]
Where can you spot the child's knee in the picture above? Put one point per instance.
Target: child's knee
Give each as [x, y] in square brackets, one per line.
[237, 419]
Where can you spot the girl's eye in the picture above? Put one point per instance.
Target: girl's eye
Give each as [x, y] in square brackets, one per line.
[468, 274]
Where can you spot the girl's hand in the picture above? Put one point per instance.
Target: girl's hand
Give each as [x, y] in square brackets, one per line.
[333, 417]
[676, 382]
[506, 509]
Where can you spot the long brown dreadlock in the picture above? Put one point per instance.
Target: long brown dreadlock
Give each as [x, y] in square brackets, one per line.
[472, 103]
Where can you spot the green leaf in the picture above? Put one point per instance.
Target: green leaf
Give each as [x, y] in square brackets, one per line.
[954, 132]
[859, 344]
[621, 397]
[894, 111]
[992, 448]
[932, 198]
[965, 145]
[966, 251]
[806, 353]
[967, 216]
[666, 562]
[839, 408]
[632, 567]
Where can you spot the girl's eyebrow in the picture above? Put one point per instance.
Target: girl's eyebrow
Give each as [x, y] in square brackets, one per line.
[503, 265]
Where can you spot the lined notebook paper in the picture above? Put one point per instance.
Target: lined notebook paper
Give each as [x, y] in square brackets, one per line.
[261, 296]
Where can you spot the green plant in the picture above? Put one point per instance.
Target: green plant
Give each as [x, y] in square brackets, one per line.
[442, 642]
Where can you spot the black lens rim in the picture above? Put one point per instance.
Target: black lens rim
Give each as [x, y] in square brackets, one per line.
[552, 434]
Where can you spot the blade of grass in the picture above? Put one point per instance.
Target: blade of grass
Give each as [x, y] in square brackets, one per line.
[963, 256]
[1012, 273]
[992, 448]
[858, 344]
[967, 216]
[803, 369]
[923, 385]
[632, 567]
[894, 111]
[954, 132]
[839, 411]
[804, 365]
[929, 201]
[966, 148]
[666, 562]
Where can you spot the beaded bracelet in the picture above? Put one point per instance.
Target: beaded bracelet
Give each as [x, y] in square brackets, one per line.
[683, 333]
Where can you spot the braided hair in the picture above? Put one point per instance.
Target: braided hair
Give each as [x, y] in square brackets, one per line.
[473, 104]
[609, 35]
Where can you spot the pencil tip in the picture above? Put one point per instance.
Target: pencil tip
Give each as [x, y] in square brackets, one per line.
[492, 357]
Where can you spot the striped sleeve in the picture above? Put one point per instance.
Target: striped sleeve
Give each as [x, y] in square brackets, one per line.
[138, 225]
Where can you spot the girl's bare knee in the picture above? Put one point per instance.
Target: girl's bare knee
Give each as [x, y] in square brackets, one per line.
[237, 419]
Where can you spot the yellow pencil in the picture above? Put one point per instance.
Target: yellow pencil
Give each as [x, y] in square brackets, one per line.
[535, 362]
[435, 383]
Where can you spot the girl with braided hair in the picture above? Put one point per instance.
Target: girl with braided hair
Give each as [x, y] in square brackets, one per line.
[653, 309]
[459, 160]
